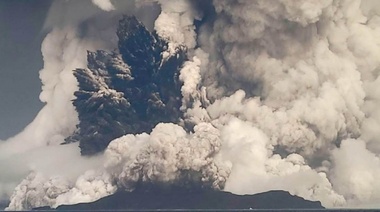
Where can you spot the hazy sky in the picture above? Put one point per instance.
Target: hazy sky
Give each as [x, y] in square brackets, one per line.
[20, 60]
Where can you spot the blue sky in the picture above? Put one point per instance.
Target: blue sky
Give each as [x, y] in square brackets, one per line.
[21, 35]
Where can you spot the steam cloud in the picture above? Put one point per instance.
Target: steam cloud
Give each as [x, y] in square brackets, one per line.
[281, 94]
[104, 5]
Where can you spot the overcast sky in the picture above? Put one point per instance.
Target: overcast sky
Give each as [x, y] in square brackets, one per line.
[20, 60]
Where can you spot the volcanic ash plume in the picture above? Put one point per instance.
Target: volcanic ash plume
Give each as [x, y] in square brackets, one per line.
[242, 96]
[167, 155]
[303, 73]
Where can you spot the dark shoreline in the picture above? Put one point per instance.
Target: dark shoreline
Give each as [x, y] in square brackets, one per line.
[182, 199]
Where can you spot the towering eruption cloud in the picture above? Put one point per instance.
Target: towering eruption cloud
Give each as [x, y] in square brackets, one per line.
[242, 96]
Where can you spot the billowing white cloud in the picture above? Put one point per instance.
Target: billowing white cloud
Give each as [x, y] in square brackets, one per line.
[304, 73]
[105, 5]
[355, 173]
[165, 155]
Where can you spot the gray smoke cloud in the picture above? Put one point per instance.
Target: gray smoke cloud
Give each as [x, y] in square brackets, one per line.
[283, 95]
[303, 73]
[165, 154]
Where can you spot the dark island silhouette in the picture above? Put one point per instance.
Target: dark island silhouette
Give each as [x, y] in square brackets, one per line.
[153, 197]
